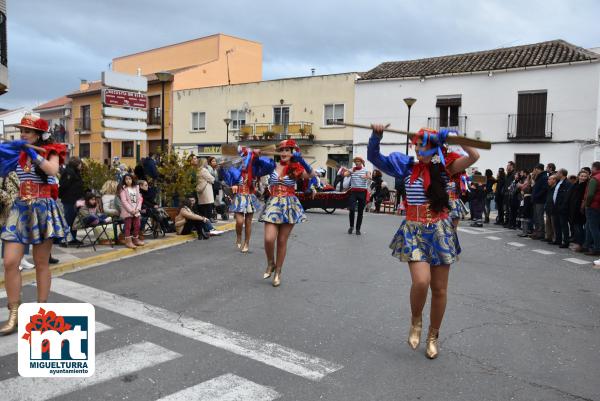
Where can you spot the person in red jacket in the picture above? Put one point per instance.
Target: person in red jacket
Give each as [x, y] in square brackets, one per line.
[592, 212]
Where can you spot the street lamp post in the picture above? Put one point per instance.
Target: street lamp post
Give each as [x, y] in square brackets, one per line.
[163, 77]
[227, 121]
[409, 102]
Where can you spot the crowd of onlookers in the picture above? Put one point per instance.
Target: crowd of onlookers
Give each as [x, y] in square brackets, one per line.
[545, 204]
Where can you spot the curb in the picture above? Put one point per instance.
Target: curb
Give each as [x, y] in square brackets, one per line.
[111, 256]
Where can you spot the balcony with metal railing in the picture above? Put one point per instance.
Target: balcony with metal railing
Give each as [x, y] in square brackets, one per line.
[530, 126]
[459, 124]
[83, 125]
[266, 133]
[154, 116]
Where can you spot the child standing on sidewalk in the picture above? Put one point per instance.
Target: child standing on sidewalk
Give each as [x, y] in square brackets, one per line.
[131, 205]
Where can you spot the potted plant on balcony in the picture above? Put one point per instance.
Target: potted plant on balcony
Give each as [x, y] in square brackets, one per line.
[302, 132]
[311, 137]
[268, 135]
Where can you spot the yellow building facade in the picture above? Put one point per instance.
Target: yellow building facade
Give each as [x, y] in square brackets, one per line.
[87, 141]
[307, 109]
[213, 60]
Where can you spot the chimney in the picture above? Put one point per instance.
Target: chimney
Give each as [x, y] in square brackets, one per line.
[83, 85]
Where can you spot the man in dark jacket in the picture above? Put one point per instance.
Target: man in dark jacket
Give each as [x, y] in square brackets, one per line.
[150, 167]
[549, 209]
[560, 197]
[510, 216]
[540, 190]
[70, 190]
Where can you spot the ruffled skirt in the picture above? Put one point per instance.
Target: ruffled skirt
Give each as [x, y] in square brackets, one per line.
[245, 203]
[283, 210]
[458, 209]
[436, 244]
[34, 222]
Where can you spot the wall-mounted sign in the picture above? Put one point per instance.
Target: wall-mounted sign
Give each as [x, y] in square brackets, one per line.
[124, 81]
[116, 97]
[125, 135]
[124, 113]
[124, 124]
[209, 149]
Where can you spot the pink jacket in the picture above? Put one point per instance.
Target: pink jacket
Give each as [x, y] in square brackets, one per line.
[127, 208]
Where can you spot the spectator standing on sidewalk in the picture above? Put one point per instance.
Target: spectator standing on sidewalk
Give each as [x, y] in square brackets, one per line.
[561, 209]
[577, 211]
[549, 209]
[592, 212]
[500, 180]
[539, 194]
[204, 188]
[506, 193]
[70, 190]
[489, 193]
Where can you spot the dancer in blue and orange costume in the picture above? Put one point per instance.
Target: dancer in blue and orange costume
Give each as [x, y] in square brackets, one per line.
[243, 180]
[426, 239]
[35, 218]
[283, 209]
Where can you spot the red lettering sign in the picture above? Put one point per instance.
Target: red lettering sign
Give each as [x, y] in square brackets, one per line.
[115, 97]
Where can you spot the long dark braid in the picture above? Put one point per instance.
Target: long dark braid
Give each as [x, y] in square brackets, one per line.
[41, 142]
[436, 193]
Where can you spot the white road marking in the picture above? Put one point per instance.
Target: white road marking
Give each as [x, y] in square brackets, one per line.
[8, 344]
[578, 261]
[517, 244]
[228, 387]
[544, 252]
[479, 230]
[278, 356]
[493, 238]
[109, 365]
[467, 230]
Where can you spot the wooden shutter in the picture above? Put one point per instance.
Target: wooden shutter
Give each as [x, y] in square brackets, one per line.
[531, 115]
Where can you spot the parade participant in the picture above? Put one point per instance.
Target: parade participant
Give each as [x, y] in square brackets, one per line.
[283, 209]
[34, 218]
[426, 238]
[242, 181]
[359, 177]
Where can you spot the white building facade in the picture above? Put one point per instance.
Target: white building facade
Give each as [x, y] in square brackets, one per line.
[535, 103]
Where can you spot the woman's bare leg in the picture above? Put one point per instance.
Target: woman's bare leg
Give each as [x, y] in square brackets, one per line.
[13, 253]
[421, 278]
[439, 291]
[41, 254]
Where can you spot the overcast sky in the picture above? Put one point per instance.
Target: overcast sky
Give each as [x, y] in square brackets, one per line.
[54, 43]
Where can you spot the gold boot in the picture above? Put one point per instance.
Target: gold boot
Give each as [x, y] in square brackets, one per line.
[432, 343]
[246, 247]
[238, 242]
[269, 271]
[11, 323]
[277, 278]
[414, 334]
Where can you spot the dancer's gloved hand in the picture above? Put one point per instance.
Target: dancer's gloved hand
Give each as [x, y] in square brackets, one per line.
[297, 157]
[441, 136]
[35, 156]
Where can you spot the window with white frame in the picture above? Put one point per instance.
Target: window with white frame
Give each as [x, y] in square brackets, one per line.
[238, 118]
[198, 121]
[334, 114]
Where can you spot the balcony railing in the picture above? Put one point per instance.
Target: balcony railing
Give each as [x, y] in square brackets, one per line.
[460, 125]
[83, 124]
[273, 132]
[154, 116]
[530, 126]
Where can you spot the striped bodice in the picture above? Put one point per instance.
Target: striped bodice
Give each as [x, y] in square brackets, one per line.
[415, 192]
[358, 179]
[275, 180]
[32, 176]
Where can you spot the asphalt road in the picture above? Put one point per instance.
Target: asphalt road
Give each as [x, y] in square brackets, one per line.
[520, 324]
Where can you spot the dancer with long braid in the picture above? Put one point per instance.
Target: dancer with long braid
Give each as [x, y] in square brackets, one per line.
[426, 239]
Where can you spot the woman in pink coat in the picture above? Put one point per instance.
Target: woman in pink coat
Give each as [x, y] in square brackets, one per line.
[131, 205]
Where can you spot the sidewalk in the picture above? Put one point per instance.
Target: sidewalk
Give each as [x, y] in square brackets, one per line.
[73, 258]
